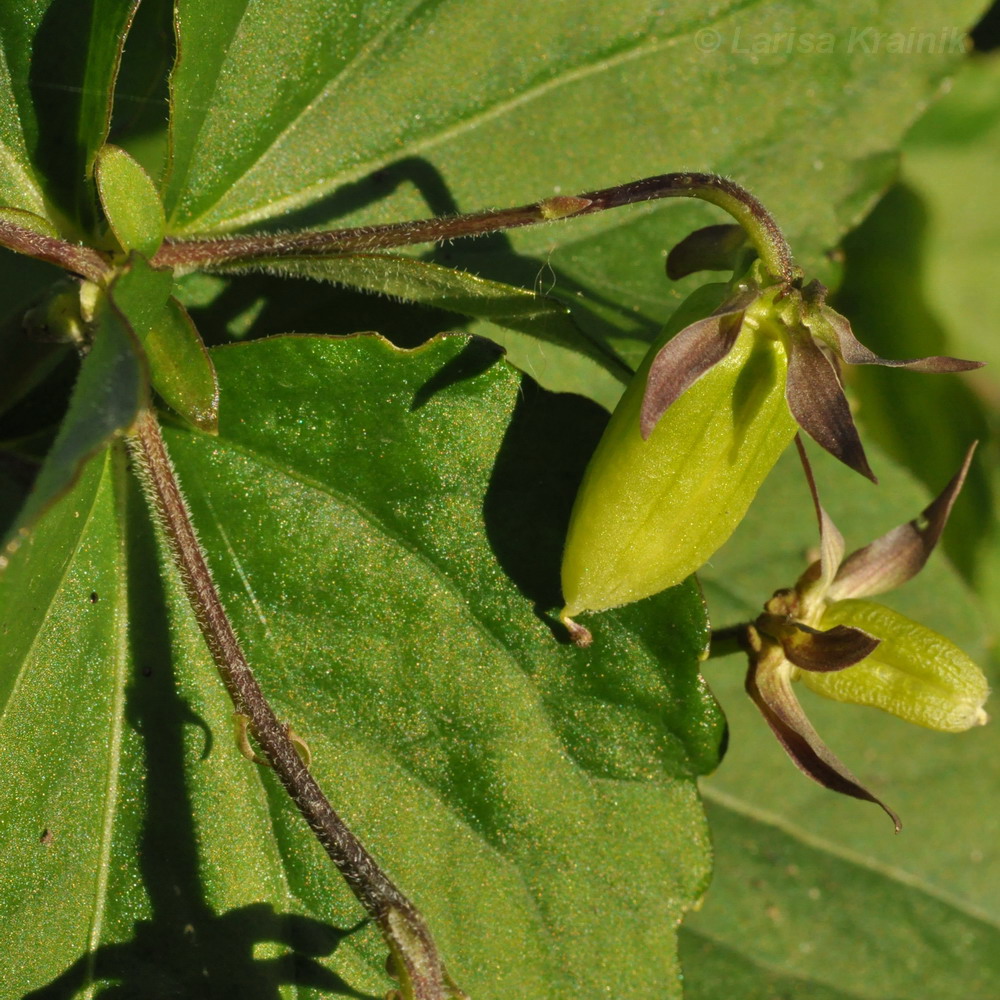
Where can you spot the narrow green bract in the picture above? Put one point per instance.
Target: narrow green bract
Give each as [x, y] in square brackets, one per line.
[650, 513]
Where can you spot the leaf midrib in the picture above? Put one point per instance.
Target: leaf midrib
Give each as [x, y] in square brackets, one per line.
[122, 660]
[278, 206]
[893, 873]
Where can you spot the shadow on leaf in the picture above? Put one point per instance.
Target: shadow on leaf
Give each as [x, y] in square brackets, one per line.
[548, 443]
[186, 949]
[253, 306]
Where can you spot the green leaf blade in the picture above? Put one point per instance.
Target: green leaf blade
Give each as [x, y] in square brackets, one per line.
[62, 690]
[220, 66]
[109, 393]
[560, 103]
[104, 886]
[505, 779]
[20, 186]
[130, 201]
[437, 657]
[905, 938]
[180, 369]
[538, 334]
[62, 59]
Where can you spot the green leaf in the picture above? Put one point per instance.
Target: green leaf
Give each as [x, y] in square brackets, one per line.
[933, 419]
[111, 387]
[19, 184]
[354, 108]
[519, 320]
[63, 604]
[918, 274]
[141, 104]
[947, 160]
[411, 508]
[947, 163]
[795, 915]
[140, 293]
[180, 368]
[101, 867]
[28, 220]
[130, 202]
[348, 119]
[182, 371]
[61, 61]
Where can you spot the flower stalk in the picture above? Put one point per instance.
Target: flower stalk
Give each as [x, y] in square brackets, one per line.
[761, 229]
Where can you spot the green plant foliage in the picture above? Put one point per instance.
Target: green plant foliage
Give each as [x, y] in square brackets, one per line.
[386, 525]
[395, 629]
[183, 373]
[538, 334]
[130, 201]
[373, 120]
[917, 274]
[180, 369]
[111, 387]
[818, 903]
[61, 58]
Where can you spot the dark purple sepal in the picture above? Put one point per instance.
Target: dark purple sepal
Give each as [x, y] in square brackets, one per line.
[770, 689]
[853, 352]
[816, 399]
[899, 554]
[819, 651]
[683, 360]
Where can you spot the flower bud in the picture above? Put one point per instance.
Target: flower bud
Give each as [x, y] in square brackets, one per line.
[662, 494]
[914, 672]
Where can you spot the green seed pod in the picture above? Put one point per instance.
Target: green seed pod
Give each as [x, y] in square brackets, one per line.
[652, 511]
[914, 673]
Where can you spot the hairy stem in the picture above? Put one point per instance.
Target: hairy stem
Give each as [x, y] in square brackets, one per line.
[760, 226]
[409, 940]
[72, 257]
